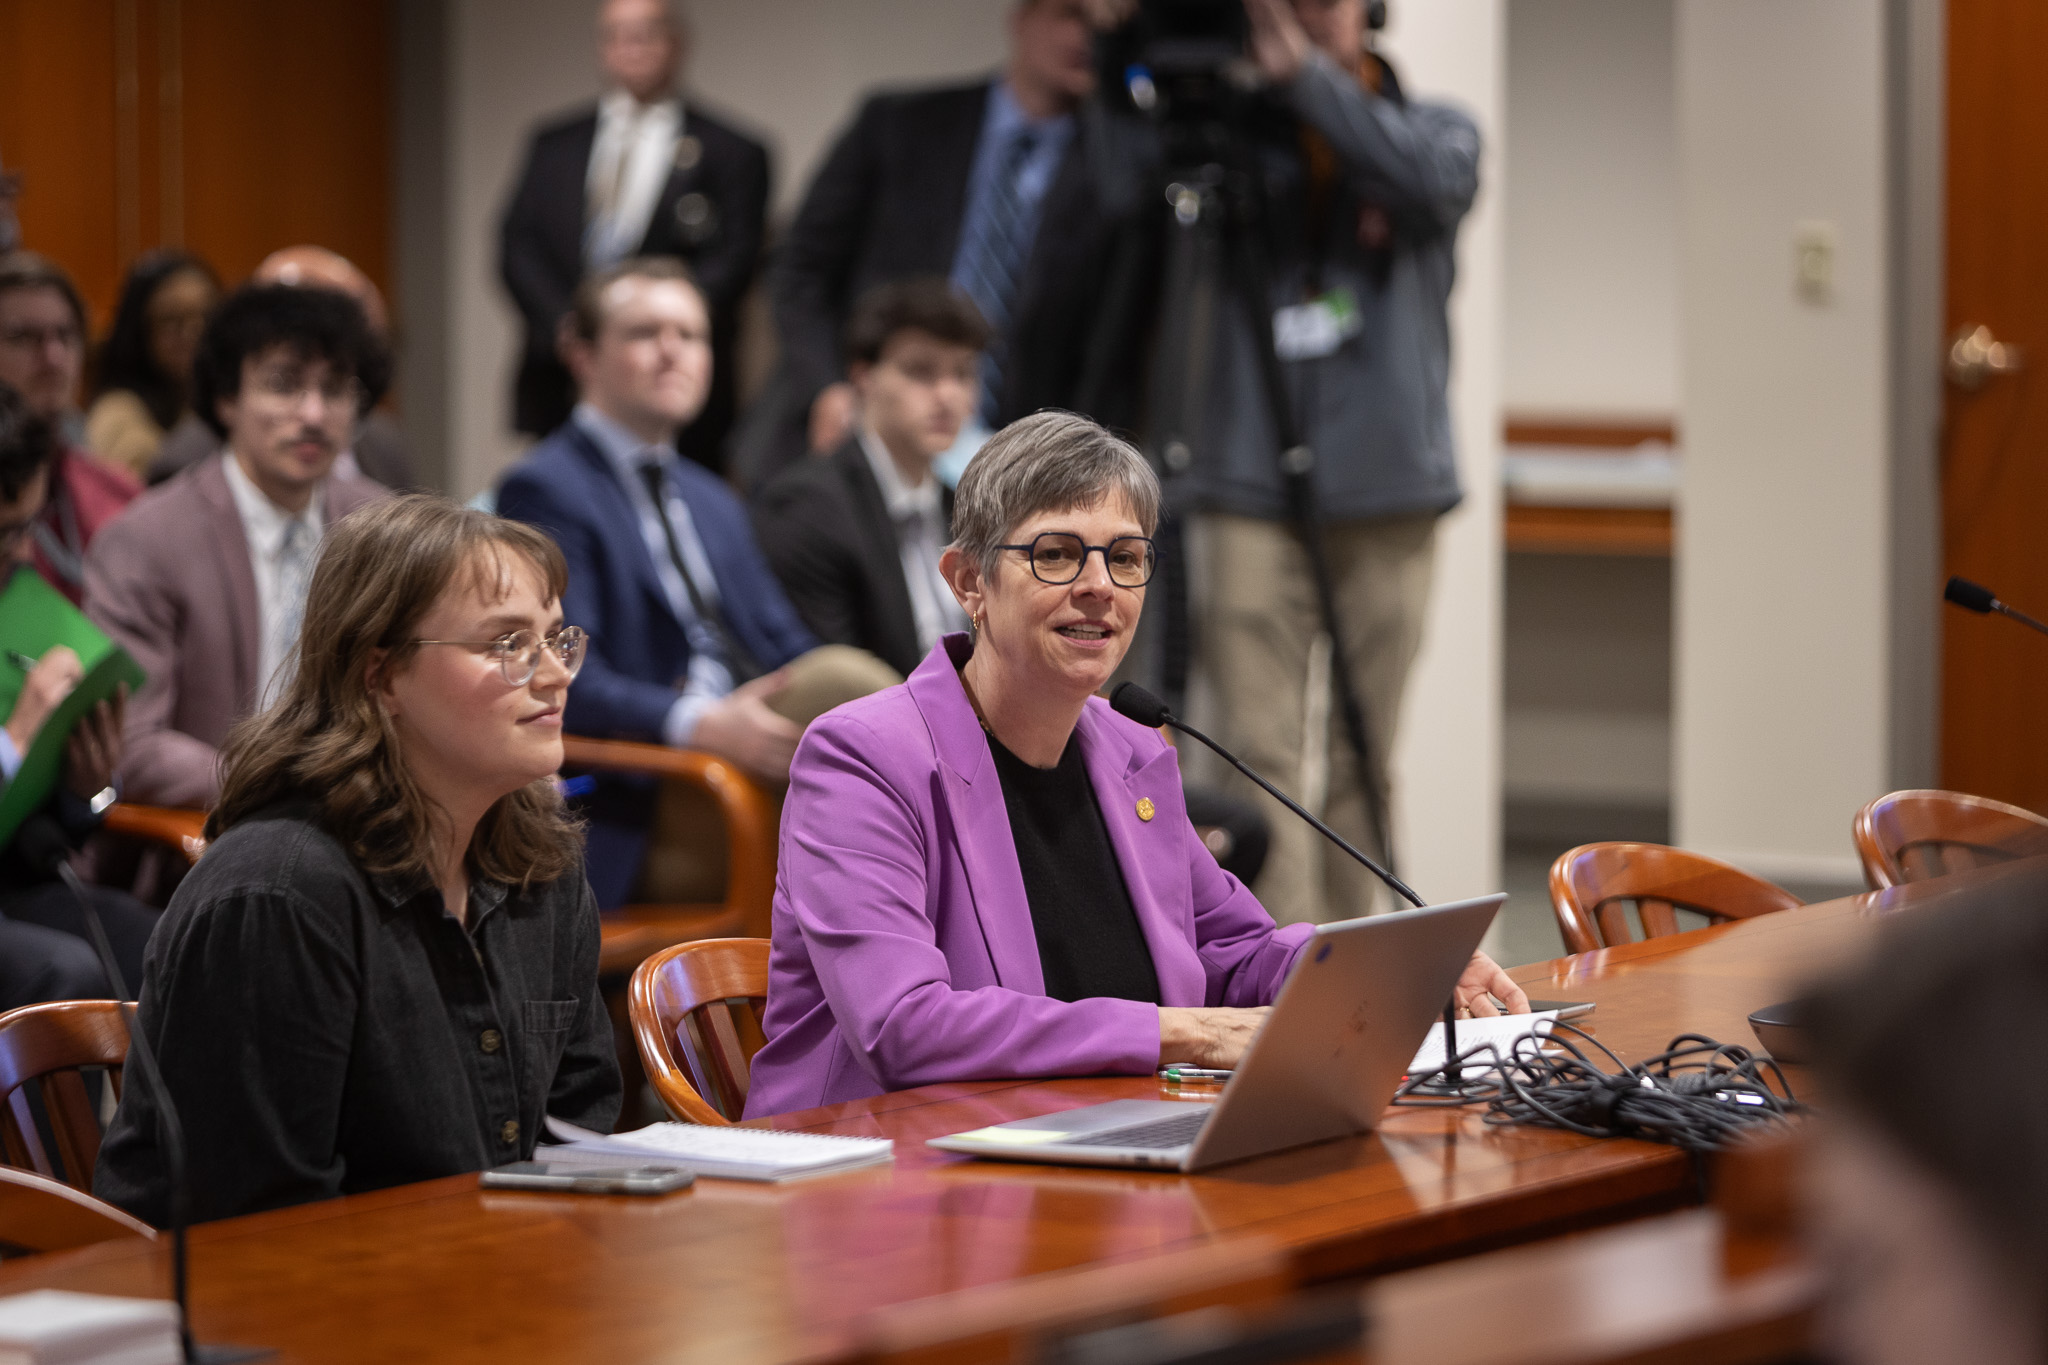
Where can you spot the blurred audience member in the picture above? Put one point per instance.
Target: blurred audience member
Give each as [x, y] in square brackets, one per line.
[692, 642]
[204, 580]
[1929, 1174]
[42, 351]
[646, 173]
[381, 451]
[143, 377]
[855, 537]
[955, 182]
[1371, 185]
[43, 951]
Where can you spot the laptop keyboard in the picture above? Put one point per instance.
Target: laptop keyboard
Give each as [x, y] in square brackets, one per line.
[1176, 1130]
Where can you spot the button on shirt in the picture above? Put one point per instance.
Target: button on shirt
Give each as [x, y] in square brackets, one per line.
[375, 1039]
[630, 161]
[710, 680]
[919, 516]
[282, 548]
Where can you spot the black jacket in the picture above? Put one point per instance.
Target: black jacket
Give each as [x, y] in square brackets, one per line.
[888, 204]
[828, 536]
[541, 248]
[326, 1032]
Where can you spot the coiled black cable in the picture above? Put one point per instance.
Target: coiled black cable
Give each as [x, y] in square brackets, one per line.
[1698, 1094]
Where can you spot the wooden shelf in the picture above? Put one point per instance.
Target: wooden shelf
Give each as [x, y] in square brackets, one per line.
[1642, 531]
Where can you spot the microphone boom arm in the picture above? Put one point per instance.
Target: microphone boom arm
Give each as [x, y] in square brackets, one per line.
[1284, 799]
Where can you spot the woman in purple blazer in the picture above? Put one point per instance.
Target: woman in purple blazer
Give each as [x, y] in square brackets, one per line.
[986, 872]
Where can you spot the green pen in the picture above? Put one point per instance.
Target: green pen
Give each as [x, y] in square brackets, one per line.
[1193, 1073]
[20, 660]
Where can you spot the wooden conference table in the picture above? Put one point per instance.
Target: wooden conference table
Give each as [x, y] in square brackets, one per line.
[732, 1272]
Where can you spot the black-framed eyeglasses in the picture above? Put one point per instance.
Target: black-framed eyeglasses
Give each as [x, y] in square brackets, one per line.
[518, 655]
[1057, 557]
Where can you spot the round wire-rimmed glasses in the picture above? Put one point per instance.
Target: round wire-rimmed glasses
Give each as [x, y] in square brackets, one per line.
[518, 655]
[1057, 557]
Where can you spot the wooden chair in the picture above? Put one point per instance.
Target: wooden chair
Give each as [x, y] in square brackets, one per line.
[42, 1050]
[631, 934]
[1912, 836]
[697, 1016]
[1592, 885]
[39, 1214]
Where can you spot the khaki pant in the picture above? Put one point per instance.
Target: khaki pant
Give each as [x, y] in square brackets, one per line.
[685, 861]
[1260, 626]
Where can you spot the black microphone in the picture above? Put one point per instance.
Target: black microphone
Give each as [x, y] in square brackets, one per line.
[1980, 599]
[1133, 702]
[42, 845]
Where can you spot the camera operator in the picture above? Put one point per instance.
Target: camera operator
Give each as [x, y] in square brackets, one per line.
[1364, 190]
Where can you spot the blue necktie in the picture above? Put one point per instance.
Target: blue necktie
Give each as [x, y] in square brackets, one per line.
[992, 258]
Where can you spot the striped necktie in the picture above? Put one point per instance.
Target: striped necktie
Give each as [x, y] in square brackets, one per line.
[992, 258]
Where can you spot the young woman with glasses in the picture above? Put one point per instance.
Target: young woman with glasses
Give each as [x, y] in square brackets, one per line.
[385, 967]
[987, 873]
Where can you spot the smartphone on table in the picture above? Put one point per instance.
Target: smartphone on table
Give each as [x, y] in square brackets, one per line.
[575, 1178]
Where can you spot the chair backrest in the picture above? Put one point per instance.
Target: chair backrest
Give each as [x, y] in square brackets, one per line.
[1592, 886]
[1912, 836]
[40, 1214]
[42, 1048]
[696, 1012]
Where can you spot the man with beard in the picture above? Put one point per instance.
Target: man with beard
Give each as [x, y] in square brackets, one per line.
[204, 578]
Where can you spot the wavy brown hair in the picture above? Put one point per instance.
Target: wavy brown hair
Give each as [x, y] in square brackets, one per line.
[328, 741]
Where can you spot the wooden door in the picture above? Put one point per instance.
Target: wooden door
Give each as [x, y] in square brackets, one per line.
[1994, 731]
[228, 127]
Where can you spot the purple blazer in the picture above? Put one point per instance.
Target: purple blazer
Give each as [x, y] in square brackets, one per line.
[903, 952]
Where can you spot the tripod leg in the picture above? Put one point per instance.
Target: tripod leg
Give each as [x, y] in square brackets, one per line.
[1251, 283]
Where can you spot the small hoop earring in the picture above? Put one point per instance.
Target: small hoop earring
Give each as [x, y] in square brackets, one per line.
[979, 622]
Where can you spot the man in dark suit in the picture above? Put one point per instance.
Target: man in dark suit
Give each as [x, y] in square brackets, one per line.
[855, 536]
[644, 173]
[1011, 187]
[692, 642]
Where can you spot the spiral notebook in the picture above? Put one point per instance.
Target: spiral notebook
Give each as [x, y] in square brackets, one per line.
[724, 1153]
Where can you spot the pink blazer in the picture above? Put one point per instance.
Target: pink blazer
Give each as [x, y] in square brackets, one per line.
[903, 952]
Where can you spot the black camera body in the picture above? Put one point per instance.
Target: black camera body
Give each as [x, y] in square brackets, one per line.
[1171, 59]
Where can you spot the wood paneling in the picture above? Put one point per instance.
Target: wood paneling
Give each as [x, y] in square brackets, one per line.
[1994, 731]
[230, 127]
[732, 1272]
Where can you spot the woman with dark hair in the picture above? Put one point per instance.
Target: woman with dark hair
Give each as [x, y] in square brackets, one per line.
[385, 968]
[142, 379]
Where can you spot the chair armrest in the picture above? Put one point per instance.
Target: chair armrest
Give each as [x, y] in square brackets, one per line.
[183, 830]
[750, 820]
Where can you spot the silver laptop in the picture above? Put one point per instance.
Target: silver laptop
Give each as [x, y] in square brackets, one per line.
[1357, 1005]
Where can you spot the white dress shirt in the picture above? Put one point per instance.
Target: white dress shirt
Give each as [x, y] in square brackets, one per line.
[630, 161]
[264, 525]
[709, 681]
[919, 516]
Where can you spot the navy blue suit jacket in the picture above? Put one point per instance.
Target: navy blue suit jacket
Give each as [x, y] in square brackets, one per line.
[639, 650]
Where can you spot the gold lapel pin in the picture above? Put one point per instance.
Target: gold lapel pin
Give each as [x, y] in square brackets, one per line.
[1146, 810]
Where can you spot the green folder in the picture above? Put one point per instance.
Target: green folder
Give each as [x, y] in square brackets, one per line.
[34, 617]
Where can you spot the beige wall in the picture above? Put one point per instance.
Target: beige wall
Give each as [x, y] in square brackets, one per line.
[1447, 759]
[1784, 614]
[1592, 210]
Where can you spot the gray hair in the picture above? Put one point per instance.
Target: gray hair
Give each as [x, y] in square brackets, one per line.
[1047, 462]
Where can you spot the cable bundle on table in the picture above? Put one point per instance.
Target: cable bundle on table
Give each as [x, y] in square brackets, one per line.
[1698, 1094]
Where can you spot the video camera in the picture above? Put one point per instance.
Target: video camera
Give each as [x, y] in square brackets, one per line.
[1172, 60]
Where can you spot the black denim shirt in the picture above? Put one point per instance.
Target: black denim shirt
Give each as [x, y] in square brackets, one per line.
[326, 1033]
